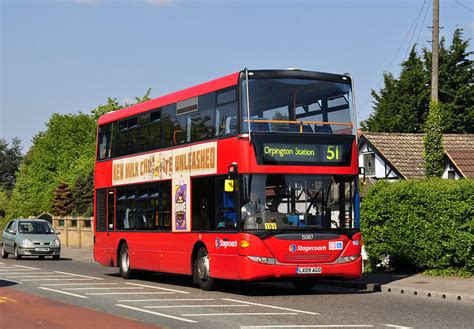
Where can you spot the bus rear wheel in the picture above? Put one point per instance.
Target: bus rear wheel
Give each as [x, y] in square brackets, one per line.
[303, 284]
[124, 263]
[202, 270]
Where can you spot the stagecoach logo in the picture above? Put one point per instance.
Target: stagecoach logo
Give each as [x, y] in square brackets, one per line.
[293, 248]
[224, 244]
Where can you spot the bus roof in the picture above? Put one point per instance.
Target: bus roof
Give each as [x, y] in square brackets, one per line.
[223, 82]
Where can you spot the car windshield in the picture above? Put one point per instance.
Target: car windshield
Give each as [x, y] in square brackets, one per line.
[296, 202]
[297, 106]
[35, 227]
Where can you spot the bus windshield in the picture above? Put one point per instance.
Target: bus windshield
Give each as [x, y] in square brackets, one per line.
[297, 202]
[293, 105]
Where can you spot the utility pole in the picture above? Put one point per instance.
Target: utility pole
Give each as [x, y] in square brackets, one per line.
[435, 52]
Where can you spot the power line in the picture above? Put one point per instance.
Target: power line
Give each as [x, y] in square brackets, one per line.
[465, 6]
[416, 27]
[423, 23]
[398, 50]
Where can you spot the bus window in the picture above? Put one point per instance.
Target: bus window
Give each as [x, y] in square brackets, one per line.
[168, 120]
[226, 213]
[203, 204]
[105, 136]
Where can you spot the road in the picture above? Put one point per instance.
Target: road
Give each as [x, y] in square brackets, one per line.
[172, 301]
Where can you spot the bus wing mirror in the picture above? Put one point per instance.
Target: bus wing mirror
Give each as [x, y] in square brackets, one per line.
[229, 185]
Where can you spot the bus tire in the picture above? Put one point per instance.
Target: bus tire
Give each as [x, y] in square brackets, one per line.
[303, 284]
[124, 263]
[202, 269]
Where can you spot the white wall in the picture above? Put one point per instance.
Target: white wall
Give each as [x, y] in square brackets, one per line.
[447, 168]
[379, 164]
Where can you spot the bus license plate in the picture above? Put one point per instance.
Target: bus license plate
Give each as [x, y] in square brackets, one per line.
[309, 270]
[41, 249]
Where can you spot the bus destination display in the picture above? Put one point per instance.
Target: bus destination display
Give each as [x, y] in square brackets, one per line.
[282, 153]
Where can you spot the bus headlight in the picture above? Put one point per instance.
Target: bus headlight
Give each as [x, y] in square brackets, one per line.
[346, 259]
[263, 260]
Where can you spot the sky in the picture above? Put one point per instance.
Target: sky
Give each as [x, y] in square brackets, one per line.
[68, 56]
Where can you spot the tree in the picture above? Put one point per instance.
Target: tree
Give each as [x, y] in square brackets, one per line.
[10, 158]
[60, 154]
[402, 103]
[113, 105]
[83, 194]
[62, 203]
[433, 143]
[64, 153]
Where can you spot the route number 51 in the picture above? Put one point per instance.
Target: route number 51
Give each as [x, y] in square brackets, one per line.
[332, 152]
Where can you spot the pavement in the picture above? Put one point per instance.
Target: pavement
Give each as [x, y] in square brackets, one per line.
[451, 288]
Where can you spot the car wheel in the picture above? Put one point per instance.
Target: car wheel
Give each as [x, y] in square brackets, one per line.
[4, 252]
[56, 257]
[124, 263]
[202, 270]
[303, 285]
[16, 255]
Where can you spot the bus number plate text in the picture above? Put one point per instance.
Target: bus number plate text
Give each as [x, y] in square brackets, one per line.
[309, 270]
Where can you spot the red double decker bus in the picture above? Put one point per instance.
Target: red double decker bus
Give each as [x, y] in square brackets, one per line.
[247, 177]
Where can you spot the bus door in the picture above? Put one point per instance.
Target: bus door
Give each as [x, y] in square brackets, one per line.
[104, 226]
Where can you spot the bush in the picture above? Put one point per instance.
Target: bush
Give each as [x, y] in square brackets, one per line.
[420, 225]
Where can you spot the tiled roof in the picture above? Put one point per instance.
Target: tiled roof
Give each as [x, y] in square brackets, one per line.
[405, 151]
[463, 160]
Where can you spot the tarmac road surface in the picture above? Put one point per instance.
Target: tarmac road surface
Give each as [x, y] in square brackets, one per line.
[83, 294]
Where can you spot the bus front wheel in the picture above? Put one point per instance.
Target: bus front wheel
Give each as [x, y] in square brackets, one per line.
[202, 270]
[124, 263]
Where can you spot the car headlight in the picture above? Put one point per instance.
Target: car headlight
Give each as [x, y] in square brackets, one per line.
[55, 242]
[27, 243]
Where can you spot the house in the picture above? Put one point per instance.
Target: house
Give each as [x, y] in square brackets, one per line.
[400, 155]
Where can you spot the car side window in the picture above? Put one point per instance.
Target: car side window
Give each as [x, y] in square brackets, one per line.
[9, 227]
[13, 229]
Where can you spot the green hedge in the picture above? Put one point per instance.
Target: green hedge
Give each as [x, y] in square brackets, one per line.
[420, 225]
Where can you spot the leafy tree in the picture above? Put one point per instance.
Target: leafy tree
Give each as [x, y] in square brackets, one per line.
[113, 105]
[10, 157]
[83, 194]
[402, 103]
[433, 143]
[61, 153]
[62, 203]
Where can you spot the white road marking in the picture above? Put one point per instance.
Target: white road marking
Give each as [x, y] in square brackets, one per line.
[166, 300]
[270, 306]
[192, 306]
[40, 276]
[102, 288]
[77, 284]
[9, 280]
[28, 267]
[311, 326]
[128, 293]
[227, 314]
[153, 287]
[65, 279]
[62, 292]
[395, 326]
[17, 273]
[156, 313]
[79, 275]
[14, 268]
